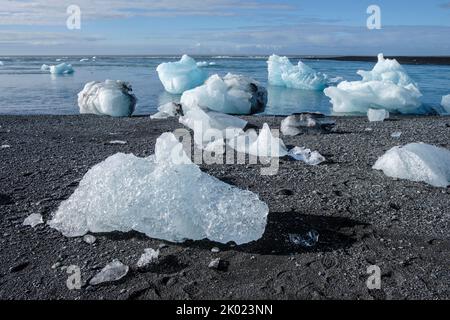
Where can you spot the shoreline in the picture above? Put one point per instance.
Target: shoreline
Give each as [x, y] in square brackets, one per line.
[363, 217]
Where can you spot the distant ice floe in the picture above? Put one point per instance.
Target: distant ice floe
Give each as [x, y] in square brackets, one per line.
[113, 98]
[446, 103]
[62, 68]
[387, 86]
[417, 162]
[1, 63]
[377, 115]
[84, 60]
[232, 94]
[202, 64]
[283, 73]
[165, 196]
[180, 76]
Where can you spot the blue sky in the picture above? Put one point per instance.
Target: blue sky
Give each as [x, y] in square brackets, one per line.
[257, 27]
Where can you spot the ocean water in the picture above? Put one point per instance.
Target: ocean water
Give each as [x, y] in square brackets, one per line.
[25, 89]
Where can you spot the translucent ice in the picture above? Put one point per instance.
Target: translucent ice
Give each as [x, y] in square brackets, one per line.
[299, 123]
[232, 94]
[165, 196]
[377, 115]
[89, 239]
[283, 73]
[306, 155]
[147, 257]
[263, 145]
[417, 162]
[62, 68]
[308, 240]
[180, 76]
[387, 86]
[113, 271]
[33, 220]
[113, 98]
[170, 109]
[446, 103]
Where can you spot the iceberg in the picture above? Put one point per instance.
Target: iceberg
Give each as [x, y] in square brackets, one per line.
[377, 115]
[262, 145]
[232, 94]
[283, 73]
[165, 196]
[387, 86]
[446, 103]
[180, 76]
[62, 68]
[417, 162]
[113, 98]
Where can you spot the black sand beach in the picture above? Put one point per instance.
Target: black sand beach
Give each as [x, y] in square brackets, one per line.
[363, 217]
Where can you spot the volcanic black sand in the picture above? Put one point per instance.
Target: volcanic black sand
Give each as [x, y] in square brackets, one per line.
[363, 217]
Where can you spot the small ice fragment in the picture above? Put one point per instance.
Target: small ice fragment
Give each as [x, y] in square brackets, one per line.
[33, 220]
[283, 73]
[89, 239]
[215, 250]
[376, 115]
[417, 162]
[113, 98]
[308, 240]
[149, 256]
[5, 146]
[299, 123]
[306, 155]
[180, 76]
[396, 134]
[368, 129]
[263, 145]
[45, 67]
[446, 103]
[117, 142]
[113, 271]
[232, 94]
[84, 60]
[168, 110]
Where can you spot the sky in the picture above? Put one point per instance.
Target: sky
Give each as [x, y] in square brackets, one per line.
[224, 27]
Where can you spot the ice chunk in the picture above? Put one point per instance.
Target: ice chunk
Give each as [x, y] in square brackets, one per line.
[300, 123]
[113, 271]
[33, 220]
[232, 94]
[446, 103]
[396, 134]
[417, 162]
[387, 86]
[5, 146]
[202, 64]
[113, 98]
[62, 68]
[89, 239]
[117, 142]
[211, 128]
[306, 155]
[167, 110]
[377, 115]
[308, 240]
[165, 196]
[180, 76]
[84, 60]
[262, 145]
[149, 256]
[283, 73]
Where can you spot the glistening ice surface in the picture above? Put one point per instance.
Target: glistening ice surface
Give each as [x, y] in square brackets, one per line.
[165, 196]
